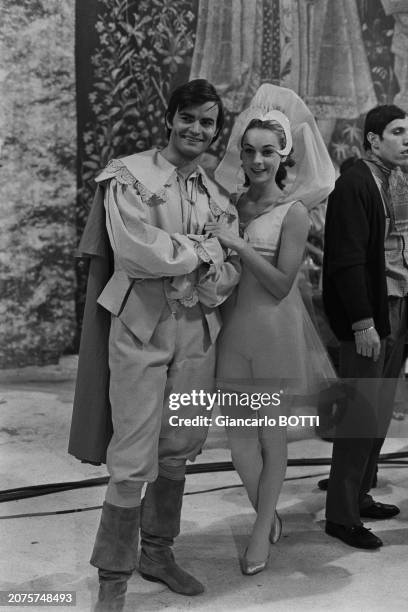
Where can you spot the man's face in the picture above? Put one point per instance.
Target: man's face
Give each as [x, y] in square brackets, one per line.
[392, 147]
[193, 129]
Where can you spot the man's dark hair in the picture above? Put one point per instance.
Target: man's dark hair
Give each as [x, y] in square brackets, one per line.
[378, 118]
[195, 93]
[347, 163]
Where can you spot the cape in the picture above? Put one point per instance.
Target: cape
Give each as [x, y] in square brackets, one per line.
[91, 425]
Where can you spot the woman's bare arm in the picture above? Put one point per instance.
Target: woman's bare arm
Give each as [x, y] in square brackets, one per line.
[278, 280]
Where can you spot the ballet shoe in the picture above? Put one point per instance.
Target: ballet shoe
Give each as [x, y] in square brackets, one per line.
[250, 568]
[276, 531]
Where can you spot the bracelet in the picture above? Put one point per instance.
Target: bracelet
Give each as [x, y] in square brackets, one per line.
[363, 331]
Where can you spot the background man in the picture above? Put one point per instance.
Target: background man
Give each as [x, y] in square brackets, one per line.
[365, 288]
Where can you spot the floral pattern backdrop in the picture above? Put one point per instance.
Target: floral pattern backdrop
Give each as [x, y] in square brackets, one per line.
[377, 30]
[129, 55]
[145, 48]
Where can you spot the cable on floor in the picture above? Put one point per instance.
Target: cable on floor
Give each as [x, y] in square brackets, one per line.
[387, 458]
[199, 468]
[200, 492]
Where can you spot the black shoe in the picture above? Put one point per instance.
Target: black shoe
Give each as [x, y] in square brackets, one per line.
[357, 535]
[323, 484]
[377, 510]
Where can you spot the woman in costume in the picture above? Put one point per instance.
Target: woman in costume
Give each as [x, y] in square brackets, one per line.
[268, 343]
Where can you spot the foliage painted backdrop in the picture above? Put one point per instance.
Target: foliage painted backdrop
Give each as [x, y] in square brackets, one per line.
[37, 181]
[143, 51]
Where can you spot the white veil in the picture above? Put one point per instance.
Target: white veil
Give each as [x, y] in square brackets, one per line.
[312, 177]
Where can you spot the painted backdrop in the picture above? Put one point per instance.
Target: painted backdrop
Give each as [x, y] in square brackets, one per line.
[37, 181]
[63, 120]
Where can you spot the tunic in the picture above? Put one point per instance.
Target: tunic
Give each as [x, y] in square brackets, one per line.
[168, 278]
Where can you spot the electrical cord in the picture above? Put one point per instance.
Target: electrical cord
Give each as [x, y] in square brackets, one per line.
[88, 508]
[199, 468]
[389, 459]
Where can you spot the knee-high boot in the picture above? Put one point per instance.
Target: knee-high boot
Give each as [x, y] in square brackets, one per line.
[115, 554]
[160, 524]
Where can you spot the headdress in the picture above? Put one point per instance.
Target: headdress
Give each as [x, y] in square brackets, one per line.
[312, 177]
[279, 117]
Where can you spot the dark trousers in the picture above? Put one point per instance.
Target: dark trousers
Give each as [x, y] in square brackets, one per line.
[364, 419]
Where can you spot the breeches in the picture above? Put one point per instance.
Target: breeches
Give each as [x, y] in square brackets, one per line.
[178, 359]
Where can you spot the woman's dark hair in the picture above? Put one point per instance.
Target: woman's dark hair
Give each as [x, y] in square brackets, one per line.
[378, 118]
[276, 128]
[195, 93]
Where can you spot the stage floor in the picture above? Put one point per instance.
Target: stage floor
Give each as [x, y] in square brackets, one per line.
[46, 541]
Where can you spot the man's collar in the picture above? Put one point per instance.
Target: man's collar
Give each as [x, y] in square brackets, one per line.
[154, 172]
[372, 157]
[150, 168]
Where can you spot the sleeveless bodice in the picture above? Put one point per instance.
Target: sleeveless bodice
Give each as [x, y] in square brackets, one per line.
[263, 232]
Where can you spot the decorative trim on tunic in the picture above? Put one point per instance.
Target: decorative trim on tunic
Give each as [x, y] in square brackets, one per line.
[217, 211]
[202, 253]
[121, 173]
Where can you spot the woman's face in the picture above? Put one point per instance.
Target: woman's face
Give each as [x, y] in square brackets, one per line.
[260, 160]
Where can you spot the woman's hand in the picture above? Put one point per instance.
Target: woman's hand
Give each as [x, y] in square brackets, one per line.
[227, 237]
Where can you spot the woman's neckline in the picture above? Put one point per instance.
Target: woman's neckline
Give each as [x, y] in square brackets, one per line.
[265, 209]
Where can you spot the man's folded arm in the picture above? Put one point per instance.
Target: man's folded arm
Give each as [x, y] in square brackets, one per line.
[145, 251]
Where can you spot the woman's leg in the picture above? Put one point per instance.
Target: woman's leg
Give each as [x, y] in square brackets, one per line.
[244, 442]
[246, 455]
[259, 454]
[274, 454]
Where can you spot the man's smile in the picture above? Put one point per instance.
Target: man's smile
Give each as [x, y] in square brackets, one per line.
[192, 139]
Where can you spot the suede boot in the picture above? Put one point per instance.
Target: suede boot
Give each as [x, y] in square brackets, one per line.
[160, 524]
[115, 555]
[112, 591]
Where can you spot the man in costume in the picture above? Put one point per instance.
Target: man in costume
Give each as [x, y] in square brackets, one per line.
[168, 278]
[365, 289]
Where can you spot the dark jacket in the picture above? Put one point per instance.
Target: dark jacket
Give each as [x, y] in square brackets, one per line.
[354, 281]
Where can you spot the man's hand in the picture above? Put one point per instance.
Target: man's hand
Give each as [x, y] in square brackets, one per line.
[368, 343]
[227, 237]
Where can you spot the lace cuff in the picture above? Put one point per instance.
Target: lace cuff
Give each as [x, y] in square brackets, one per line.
[189, 300]
[182, 290]
[210, 251]
[202, 253]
